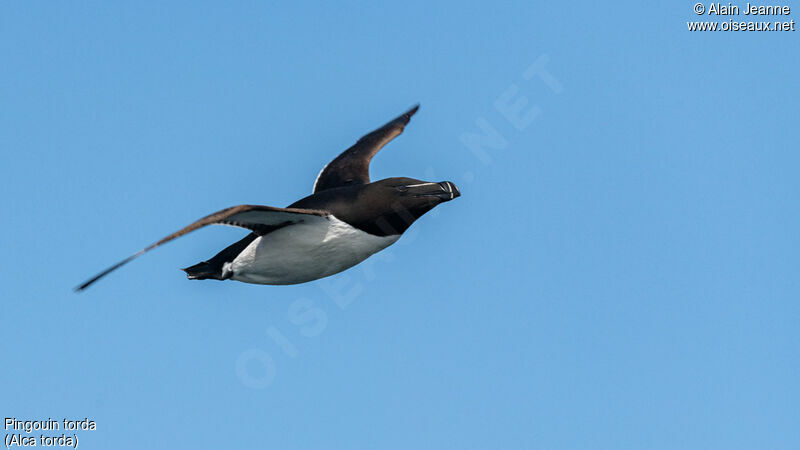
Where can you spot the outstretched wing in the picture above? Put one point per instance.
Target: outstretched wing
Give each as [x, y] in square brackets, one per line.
[352, 166]
[259, 219]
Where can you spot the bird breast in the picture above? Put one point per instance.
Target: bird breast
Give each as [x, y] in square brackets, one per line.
[316, 248]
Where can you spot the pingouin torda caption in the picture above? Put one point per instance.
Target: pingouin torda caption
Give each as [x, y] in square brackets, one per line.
[746, 17]
[45, 433]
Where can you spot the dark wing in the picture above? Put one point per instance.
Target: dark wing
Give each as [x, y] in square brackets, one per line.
[352, 166]
[259, 219]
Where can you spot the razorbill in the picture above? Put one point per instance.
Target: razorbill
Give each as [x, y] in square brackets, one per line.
[344, 221]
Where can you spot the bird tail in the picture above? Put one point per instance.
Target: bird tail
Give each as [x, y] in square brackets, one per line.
[204, 271]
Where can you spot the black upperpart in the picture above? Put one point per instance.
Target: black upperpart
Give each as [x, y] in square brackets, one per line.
[383, 208]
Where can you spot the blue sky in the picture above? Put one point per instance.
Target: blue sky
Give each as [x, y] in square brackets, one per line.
[620, 271]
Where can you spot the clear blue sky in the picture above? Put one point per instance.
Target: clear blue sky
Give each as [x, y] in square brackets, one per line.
[620, 272]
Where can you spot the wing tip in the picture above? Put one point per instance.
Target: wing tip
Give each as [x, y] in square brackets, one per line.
[403, 119]
[91, 281]
[82, 287]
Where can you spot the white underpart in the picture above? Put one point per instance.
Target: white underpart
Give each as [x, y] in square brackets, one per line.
[304, 252]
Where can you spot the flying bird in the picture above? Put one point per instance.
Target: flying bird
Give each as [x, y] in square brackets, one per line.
[344, 221]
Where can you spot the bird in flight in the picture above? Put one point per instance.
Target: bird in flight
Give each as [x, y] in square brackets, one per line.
[344, 221]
